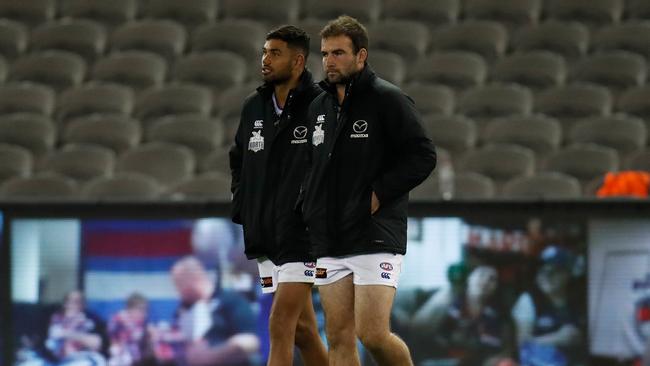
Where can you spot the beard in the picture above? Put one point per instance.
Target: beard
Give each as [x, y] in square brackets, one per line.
[277, 77]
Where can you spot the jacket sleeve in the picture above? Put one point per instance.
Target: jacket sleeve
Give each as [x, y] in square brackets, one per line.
[411, 156]
[236, 156]
[298, 207]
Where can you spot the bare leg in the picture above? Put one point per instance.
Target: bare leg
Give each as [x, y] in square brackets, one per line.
[312, 349]
[338, 302]
[288, 304]
[372, 306]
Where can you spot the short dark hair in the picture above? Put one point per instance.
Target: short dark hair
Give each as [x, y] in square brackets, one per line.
[346, 25]
[295, 37]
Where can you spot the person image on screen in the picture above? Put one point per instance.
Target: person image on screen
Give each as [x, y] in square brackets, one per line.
[368, 151]
[217, 327]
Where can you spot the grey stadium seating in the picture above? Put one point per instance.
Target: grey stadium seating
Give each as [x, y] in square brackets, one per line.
[110, 13]
[15, 161]
[510, 12]
[136, 69]
[367, 11]
[409, 39]
[86, 38]
[593, 12]
[14, 38]
[94, 98]
[616, 70]
[164, 37]
[116, 132]
[632, 36]
[241, 36]
[57, 69]
[272, 13]
[211, 185]
[539, 133]
[168, 163]
[26, 97]
[80, 162]
[583, 161]
[622, 133]
[389, 65]
[457, 69]
[44, 186]
[216, 69]
[535, 69]
[122, 187]
[432, 98]
[173, 99]
[200, 133]
[456, 134]
[569, 39]
[489, 160]
[34, 132]
[545, 185]
[433, 13]
[188, 13]
[30, 12]
[487, 38]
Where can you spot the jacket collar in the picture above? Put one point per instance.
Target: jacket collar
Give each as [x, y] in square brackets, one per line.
[358, 83]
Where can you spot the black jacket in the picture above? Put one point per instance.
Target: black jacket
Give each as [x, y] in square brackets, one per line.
[377, 144]
[268, 162]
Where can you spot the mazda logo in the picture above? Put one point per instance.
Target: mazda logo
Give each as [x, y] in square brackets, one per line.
[300, 132]
[360, 126]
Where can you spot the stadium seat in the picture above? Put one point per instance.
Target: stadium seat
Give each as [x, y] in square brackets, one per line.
[116, 132]
[593, 12]
[539, 133]
[229, 103]
[456, 134]
[217, 160]
[636, 102]
[3, 69]
[615, 69]
[45, 186]
[637, 9]
[230, 129]
[432, 98]
[200, 133]
[86, 38]
[489, 161]
[409, 39]
[312, 27]
[136, 69]
[94, 98]
[639, 160]
[30, 12]
[314, 65]
[110, 13]
[623, 133]
[15, 161]
[583, 161]
[366, 11]
[545, 185]
[164, 37]
[496, 100]
[574, 101]
[212, 185]
[513, 13]
[188, 13]
[433, 13]
[457, 69]
[569, 39]
[26, 97]
[57, 69]
[273, 13]
[633, 36]
[389, 66]
[34, 132]
[244, 37]
[168, 163]
[13, 38]
[487, 38]
[467, 186]
[80, 162]
[122, 187]
[218, 70]
[173, 99]
[535, 69]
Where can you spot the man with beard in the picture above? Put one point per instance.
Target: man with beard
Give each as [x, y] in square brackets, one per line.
[369, 150]
[268, 163]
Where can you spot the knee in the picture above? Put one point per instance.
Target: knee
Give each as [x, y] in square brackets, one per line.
[373, 339]
[278, 324]
[306, 333]
[340, 336]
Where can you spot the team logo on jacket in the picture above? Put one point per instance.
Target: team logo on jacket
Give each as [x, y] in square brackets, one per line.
[259, 123]
[320, 118]
[256, 143]
[359, 127]
[300, 135]
[318, 136]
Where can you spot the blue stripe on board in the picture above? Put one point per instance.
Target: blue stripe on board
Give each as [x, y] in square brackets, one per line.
[126, 264]
[159, 310]
[136, 225]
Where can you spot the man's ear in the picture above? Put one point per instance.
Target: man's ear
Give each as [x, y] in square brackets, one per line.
[363, 56]
[299, 60]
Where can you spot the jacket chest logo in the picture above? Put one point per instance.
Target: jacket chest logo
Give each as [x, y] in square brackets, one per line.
[360, 128]
[256, 142]
[318, 136]
[259, 123]
[299, 135]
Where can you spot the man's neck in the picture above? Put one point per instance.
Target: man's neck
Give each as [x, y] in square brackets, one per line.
[282, 90]
[340, 92]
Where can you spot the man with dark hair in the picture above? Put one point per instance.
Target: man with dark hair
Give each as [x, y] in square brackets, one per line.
[268, 163]
[369, 150]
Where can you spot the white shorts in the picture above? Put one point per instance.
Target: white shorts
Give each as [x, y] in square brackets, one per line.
[271, 275]
[367, 269]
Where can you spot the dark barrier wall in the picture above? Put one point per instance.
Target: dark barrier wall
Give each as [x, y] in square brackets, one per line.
[509, 255]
